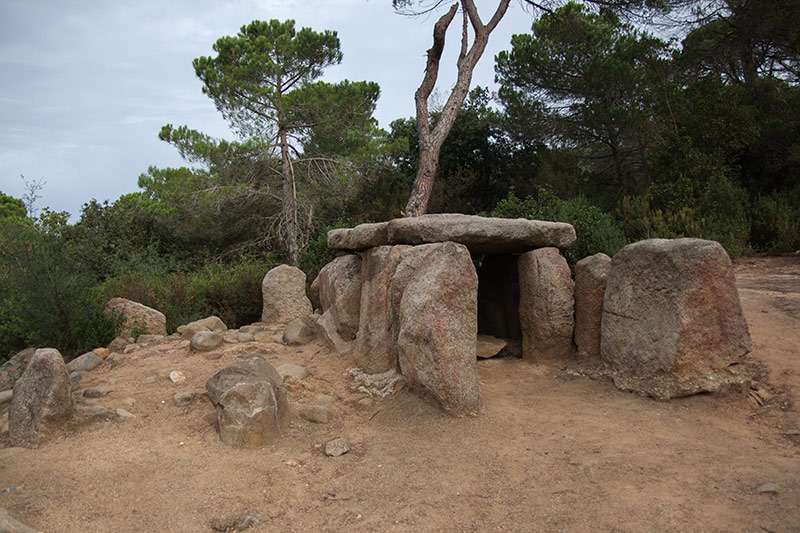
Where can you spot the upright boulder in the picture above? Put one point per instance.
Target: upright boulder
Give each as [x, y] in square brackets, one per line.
[546, 306]
[137, 318]
[41, 401]
[375, 346]
[591, 274]
[284, 295]
[434, 292]
[672, 323]
[339, 285]
[250, 401]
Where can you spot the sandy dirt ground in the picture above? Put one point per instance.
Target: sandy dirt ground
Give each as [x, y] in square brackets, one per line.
[552, 451]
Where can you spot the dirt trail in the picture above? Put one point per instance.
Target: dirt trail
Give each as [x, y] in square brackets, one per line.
[551, 452]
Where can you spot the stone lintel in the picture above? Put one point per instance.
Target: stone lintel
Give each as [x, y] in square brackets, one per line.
[479, 234]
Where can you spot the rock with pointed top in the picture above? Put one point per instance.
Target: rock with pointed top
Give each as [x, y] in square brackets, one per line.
[41, 403]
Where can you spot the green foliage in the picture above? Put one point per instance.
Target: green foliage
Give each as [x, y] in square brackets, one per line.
[11, 207]
[317, 254]
[718, 210]
[230, 291]
[48, 297]
[253, 71]
[776, 221]
[596, 231]
[586, 79]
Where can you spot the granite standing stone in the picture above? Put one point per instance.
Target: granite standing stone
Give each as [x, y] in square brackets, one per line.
[546, 305]
[672, 321]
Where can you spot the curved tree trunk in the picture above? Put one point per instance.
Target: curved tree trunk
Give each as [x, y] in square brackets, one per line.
[432, 138]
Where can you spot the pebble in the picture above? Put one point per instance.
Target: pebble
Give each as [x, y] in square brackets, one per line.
[212, 355]
[247, 521]
[319, 414]
[130, 348]
[176, 376]
[233, 524]
[123, 414]
[184, 398]
[769, 488]
[145, 340]
[102, 352]
[91, 411]
[148, 380]
[245, 336]
[325, 399]
[290, 371]
[98, 392]
[337, 447]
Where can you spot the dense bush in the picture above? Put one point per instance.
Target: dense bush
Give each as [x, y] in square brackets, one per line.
[49, 296]
[596, 231]
[317, 254]
[718, 210]
[230, 291]
[776, 221]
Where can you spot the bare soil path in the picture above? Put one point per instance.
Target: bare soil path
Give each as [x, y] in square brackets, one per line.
[551, 451]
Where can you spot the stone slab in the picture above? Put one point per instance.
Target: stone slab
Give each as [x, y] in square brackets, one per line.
[479, 234]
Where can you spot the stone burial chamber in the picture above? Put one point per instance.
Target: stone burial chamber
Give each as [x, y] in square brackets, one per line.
[423, 302]
[427, 296]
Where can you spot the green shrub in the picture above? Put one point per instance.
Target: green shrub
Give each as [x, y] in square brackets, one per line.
[717, 210]
[317, 254]
[49, 296]
[776, 221]
[596, 231]
[231, 291]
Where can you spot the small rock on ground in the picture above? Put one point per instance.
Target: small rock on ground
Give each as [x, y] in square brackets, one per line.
[288, 370]
[234, 524]
[769, 488]
[122, 414]
[325, 399]
[91, 411]
[319, 414]
[176, 376]
[96, 392]
[184, 398]
[337, 447]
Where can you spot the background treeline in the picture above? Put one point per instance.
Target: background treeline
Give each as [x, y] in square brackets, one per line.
[597, 122]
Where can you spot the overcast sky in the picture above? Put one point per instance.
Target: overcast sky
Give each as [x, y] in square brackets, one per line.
[87, 84]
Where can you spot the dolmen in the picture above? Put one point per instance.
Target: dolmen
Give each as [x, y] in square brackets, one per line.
[663, 316]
